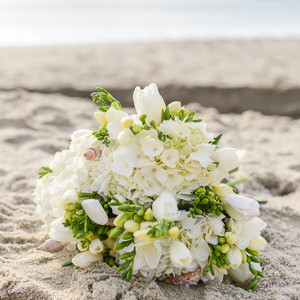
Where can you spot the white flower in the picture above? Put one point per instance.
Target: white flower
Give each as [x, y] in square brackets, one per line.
[165, 207]
[180, 255]
[114, 118]
[96, 246]
[125, 137]
[170, 157]
[228, 158]
[246, 231]
[257, 244]
[147, 253]
[70, 196]
[222, 190]
[59, 232]
[200, 251]
[243, 274]
[152, 147]
[241, 208]
[85, 259]
[148, 101]
[234, 255]
[95, 211]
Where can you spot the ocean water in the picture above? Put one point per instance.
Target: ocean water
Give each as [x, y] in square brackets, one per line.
[64, 22]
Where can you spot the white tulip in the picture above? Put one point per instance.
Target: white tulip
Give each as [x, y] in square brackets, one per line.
[95, 211]
[234, 255]
[148, 101]
[257, 244]
[165, 207]
[59, 232]
[243, 274]
[85, 259]
[96, 246]
[241, 208]
[229, 158]
[180, 255]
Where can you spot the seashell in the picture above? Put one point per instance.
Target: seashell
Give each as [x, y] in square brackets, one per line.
[51, 246]
[92, 154]
[187, 279]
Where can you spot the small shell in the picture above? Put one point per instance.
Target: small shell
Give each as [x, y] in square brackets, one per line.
[92, 154]
[187, 279]
[51, 246]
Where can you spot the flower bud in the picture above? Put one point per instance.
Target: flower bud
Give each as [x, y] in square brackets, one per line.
[96, 246]
[126, 122]
[165, 207]
[241, 208]
[222, 190]
[174, 107]
[101, 118]
[116, 232]
[257, 244]
[70, 196]
[244, 256]
[80, 246]
[112, 253]
[136, 128]
[131, 226]
[125, 137]
[122, 218]
[148, 216]
[231, 238]
[109, 243]
[85, 259]
[180, 255]
[186, 112]
[225, 248]
[116, 105]
[234, 255]
[95, 211]
[173, 232]
[143, 236]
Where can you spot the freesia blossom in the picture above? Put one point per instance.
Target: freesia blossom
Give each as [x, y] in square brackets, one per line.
[234, 255]
[85, 259]
[180, 255]
[257, 244]
[95, 211]
[241, 208]
[60, 233]
[148, 101]
[243, 274]
[165, 207]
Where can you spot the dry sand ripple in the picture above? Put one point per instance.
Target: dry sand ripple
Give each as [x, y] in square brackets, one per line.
[34, 126]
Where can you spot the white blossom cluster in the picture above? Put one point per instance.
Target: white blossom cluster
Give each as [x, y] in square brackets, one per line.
[155, 173]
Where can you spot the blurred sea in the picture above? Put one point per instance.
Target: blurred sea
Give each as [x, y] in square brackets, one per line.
[63, 22]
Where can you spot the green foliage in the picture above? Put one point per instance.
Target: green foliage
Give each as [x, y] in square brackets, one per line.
[43, 173]
[101, 96]
[160, 229]
[102, 135]
[216, 140]
[190, 118]
[216, 258]
[253, 258]
[127, 265]
[206, 201]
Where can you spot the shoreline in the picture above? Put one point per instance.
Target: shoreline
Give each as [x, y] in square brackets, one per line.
[230, 75]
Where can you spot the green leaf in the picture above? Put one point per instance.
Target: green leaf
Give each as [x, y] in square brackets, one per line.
[216, 140]
[67, 263]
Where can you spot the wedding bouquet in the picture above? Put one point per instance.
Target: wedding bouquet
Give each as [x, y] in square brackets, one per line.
[149, 193]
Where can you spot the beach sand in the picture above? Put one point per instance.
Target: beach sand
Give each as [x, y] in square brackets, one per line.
[35, 124]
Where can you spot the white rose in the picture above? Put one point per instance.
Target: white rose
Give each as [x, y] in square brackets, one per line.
[165, 207]
[148, 101]
[234, 255]
[85, 259]
[241, 208]
[95, 211]
[180, 255]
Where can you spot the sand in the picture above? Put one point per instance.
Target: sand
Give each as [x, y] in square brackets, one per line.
[34, 124]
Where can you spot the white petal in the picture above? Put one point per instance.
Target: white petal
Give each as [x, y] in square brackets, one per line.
[170, 157]
[201, 250]
[85, 259]
[180, 255]
[152, 253]
[59, 232]
[152, 147]
[165, 207]
[95, 211]
[234, 255]
[241, 208]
